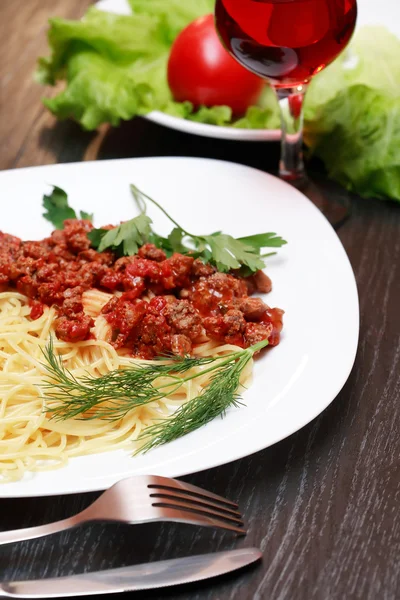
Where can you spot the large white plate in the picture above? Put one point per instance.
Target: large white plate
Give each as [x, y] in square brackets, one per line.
[313, 282]
[370, 12]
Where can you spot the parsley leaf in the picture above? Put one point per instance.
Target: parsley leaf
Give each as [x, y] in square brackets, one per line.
[56, 205]
[124, 239]
[224, 251]
[229, 253]
[58, 209]
[175, 238]
[86, 216]
[220, 249]
[263, 240]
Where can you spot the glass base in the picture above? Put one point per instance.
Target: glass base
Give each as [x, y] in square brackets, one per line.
[297, 179]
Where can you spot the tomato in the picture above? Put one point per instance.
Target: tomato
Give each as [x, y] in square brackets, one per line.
[201, 71]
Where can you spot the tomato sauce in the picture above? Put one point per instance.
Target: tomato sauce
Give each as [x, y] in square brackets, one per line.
[161, 305]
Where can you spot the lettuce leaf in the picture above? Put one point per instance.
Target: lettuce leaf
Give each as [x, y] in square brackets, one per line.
[115, 67]
[357, 135]
[352, 115]
[100, 91]
[372, 59]
[175, 13]
[118, 38]
[263, 116]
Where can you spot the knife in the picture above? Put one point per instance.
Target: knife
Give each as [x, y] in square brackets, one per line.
[138, 577]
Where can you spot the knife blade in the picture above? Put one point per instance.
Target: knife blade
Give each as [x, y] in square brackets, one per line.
[147, 576]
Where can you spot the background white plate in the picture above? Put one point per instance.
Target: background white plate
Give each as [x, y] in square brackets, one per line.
[370, 12]
[313, 282]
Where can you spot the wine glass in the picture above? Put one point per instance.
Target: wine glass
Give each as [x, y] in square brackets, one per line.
[286, 42]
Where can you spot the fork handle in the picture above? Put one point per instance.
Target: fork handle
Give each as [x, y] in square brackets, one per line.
[28, 533]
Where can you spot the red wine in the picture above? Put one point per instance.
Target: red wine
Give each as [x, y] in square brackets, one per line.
[286, 41]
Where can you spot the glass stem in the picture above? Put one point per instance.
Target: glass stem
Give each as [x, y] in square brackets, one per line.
[291, 166]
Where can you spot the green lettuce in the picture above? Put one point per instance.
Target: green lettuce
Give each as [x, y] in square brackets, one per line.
[115, 67]
[175, 13]
[352, 115]
[263, 116]
[357, 135]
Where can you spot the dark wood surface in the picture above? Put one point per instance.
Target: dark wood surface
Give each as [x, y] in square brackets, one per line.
[323, 505]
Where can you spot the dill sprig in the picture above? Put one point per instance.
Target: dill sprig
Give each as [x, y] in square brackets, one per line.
[114, 395]
[219, 395]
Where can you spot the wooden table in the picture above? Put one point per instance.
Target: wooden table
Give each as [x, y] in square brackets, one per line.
[323, 505]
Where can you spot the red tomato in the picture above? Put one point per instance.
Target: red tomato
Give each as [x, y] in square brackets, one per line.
[201, 71]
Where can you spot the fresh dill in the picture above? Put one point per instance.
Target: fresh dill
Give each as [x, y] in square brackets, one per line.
[114, 395]
[219, 395]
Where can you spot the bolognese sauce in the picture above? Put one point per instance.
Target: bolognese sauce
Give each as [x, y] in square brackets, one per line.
[159, 305]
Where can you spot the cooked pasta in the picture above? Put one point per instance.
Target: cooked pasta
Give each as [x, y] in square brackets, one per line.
[30, 440]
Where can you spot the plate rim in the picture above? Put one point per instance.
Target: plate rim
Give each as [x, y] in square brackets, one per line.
[90, 485]
[220, 132]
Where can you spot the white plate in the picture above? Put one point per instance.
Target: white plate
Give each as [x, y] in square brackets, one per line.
[370, 12]
[313, 282]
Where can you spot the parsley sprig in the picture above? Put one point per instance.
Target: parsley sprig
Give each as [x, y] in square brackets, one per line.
[222, 250]
[227, 253]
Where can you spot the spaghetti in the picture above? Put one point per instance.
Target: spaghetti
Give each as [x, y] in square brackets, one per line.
[30, 440]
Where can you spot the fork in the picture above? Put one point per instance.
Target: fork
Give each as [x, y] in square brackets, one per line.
[145, 498]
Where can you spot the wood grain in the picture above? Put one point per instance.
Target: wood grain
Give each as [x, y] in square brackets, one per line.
[27, 131]
[323, 504]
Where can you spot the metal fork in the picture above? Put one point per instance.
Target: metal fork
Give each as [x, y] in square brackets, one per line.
[145, 498]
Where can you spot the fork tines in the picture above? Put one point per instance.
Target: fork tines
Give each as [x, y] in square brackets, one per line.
[207, 508]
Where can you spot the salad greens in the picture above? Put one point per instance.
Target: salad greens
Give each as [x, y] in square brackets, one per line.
[115, 66]
[353, 115]
[175, 13]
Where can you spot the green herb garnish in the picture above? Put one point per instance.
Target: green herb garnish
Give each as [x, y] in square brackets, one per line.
[58, 209]
[222, 250]
[124, 239]
[113, 395]
[219, 395]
